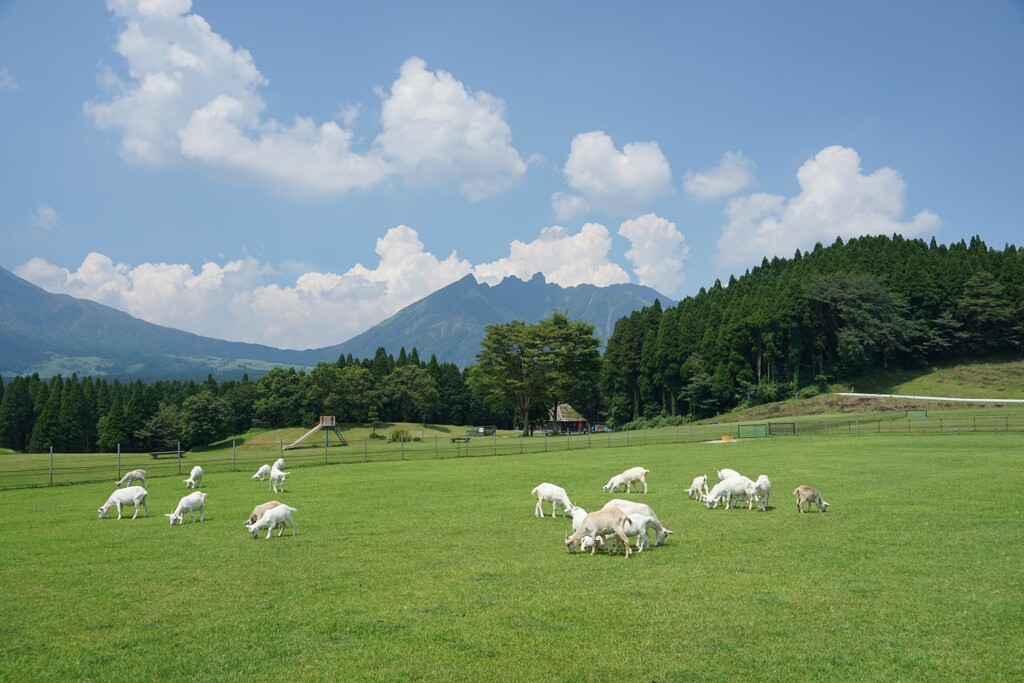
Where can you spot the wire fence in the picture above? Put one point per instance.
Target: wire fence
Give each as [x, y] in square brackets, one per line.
[51, 469]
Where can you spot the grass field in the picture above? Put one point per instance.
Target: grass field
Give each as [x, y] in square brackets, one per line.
[437, 570]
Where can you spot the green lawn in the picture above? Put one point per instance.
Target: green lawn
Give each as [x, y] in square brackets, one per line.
[438, 570]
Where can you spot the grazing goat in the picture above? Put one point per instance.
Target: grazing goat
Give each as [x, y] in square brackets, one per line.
[636, 525]
[727, 473]
[279, 464]
[733, 487]
[808, 494]
[555, 494]
[626, 479]
[262, 472]
[763, 488]
[631, 508]
[699, 488]
[258, 511]
[600, 523]
[277, 477]
[190, 503]
[195, 478]
[135, 495]
[134, 475]
[587, 542]
[271, 518]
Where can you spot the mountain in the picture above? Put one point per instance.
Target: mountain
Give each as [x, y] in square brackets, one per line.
[450, 323]
[56, 333]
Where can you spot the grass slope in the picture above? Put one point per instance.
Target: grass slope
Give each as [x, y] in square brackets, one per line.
[437, 570]
[997, 379]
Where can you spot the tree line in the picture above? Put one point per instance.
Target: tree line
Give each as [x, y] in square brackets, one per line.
[786, 328]
[96, 415]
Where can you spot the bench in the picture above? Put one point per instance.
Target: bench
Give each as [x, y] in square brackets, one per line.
[460, 439]
[157, 454]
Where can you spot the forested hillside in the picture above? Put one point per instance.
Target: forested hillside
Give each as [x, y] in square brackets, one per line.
[791, 325]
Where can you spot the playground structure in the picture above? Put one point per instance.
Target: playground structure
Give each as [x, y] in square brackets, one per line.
[327, 422]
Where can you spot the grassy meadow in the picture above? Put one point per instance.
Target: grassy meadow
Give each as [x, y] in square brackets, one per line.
[437, 570]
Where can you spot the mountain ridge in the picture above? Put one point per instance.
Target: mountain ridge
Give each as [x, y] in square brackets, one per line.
[60, 334]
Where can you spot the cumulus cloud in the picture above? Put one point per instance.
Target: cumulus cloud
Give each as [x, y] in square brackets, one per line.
[657, 253]
[733, 174]
[601, 177]
[238, 301]
[436, 131]
[836, 200]
[565, 259]
[190, 96]
[45, 217]
[7, 81]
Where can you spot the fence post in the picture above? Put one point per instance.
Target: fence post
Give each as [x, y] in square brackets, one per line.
[326, 433]
[118, 460]
[366, 455]
[51, 466]
[495, 441]
[232, 455]
[435, 446]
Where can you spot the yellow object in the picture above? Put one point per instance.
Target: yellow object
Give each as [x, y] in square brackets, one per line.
[725, 438]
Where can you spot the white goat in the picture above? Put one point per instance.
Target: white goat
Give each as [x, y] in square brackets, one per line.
[190, 503]
[600, 523]
[134, 495]
[626, 479]
[277, 477]
[195, 478]
[587, 542]
[262, 472]
[271, 518]
[279, 464]
[763, 489]
[258, 511]
[134, 475]
[644, 510]
[808, 494]
[636, 525]
[556, 495]
[699, 488]
[733, 487]
[727, 473]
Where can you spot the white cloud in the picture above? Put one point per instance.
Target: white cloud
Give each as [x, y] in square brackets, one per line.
[733, 174]
[657, 253]
[237, 301]
[600, 177]
[7, 81]
[191, 96]
[564, 259]
[45, 217]
[436, 131]
[836, 200]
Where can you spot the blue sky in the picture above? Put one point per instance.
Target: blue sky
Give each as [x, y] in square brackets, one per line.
[293, 173]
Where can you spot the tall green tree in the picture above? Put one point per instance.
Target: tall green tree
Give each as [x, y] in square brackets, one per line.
[523, 367]
[204, 418]
[16, 415]
[412, 391]
[46, 431]
[113, 427]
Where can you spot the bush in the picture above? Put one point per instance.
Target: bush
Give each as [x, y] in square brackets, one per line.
[400, 435]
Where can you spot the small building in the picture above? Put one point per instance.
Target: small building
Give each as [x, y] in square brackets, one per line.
[565, 419]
